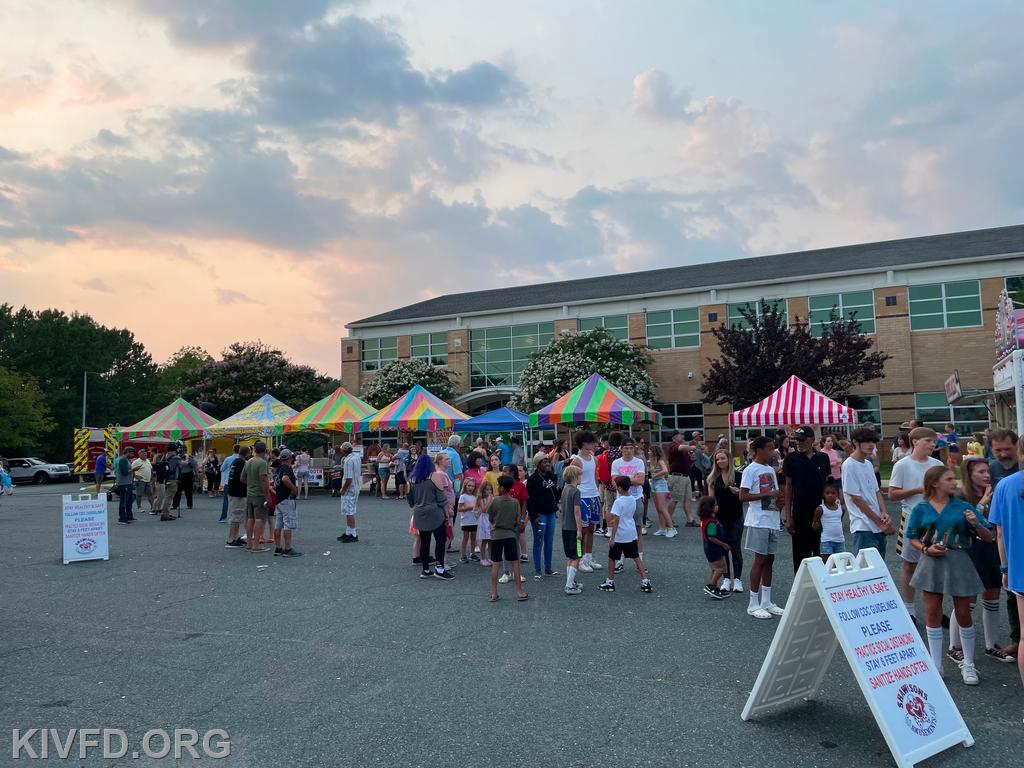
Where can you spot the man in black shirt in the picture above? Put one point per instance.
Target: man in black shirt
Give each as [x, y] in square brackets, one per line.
[805, 470]
[287, 516]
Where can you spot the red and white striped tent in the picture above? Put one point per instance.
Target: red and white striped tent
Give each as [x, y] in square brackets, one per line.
[795, 402]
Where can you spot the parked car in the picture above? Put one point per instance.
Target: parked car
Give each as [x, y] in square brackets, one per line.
[33, 470]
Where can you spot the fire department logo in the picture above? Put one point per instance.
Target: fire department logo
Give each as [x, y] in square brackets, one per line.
[85, 546]
[920, 715]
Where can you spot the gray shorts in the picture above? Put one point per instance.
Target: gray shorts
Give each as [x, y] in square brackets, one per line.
[236, 509]
[761, 541]
[254, 508]
[142, 489]
[286, 515]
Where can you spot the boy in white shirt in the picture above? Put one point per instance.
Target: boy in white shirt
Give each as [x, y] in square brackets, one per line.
[590, 495]
[869, 522]
[759, 489]
[907, 487]
[632, 467]
[624, 536]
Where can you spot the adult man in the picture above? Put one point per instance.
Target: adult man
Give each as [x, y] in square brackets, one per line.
[759, 490]
[1007, 514]
[869, 520]
[225, 476]
[1005, 463]
[906, 485]
[805, 470]
[256, 476]
[101, 470]
[680, 461]
[504, 451]
[590, 495]
[123, 478]
[142, 473]
[455, 468]
[353, 472]
[235, 489]
[518, 452]
[286, 515]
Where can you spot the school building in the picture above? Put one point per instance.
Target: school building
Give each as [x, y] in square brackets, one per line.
[930, 302]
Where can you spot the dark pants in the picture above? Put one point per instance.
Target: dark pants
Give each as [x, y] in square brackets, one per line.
[213, 482]
[186, 483]
[806, 540]
[124, 505]
[543, 537]
[734, 538]
[224, 508]
[439, 545]
[1014, 616]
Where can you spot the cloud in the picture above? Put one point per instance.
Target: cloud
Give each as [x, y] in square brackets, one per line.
[24, 90]
[655, 96]
[95, 284]
[229, 296]
[110, 140]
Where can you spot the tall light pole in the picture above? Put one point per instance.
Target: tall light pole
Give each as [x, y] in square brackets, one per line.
[85, 392]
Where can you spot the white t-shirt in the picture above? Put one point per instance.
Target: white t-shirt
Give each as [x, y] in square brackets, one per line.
[907, 473]
[832, 523]
[353, 469]
[859, 480]
[624, 508]
[470, 516]
[588, 482]
[634, 466]
[761, 513]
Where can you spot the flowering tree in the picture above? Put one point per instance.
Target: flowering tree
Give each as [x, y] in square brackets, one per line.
[399, 376]
[573, 357]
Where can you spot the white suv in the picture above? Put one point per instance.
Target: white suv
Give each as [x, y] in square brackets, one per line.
[33, 470]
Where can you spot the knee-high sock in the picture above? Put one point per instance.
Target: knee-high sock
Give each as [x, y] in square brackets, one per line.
[570, 576]
[990, 622]
[935, 646]
[967, 636]
[954, 633]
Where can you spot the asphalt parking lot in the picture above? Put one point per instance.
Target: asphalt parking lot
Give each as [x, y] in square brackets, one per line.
[345, 657]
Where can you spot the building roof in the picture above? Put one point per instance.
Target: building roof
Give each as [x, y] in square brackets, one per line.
[889, 254]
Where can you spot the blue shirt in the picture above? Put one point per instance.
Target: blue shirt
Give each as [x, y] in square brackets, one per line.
[456, 466]
[1007, 512]
[225, 470]
[101, 463]
[505, 452]
[947, 527]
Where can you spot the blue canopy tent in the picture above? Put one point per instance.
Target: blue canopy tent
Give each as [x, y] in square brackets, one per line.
[501, 420]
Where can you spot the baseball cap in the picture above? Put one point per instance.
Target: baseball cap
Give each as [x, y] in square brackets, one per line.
[804, 433]
[346, 446]
[285, 453]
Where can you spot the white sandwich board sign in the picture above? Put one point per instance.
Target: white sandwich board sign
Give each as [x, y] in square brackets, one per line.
[85, 527]
[851, 602]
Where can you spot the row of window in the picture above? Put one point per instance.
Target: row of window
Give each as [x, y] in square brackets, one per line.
[931, 307]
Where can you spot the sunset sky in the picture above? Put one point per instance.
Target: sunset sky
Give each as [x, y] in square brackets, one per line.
[204, 171]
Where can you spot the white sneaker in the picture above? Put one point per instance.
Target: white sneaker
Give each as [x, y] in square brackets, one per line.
[660, 532]
[970, 674]
[521, 578]
[504, 579]
[737, 585]
[758, 613]
[773, 609]
[597, 566]
[585, 567]
[671, 533]
[725, 585]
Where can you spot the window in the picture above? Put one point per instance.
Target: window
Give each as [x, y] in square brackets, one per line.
[379, 352]
[945, 305]
[890, 301]
[933, 411]
[432, 347]
[685, 417]
[673, 328]
[869, 410]
[1015, 288]
[498, 356]
[859, 305]
[616, 325]
[735, 318]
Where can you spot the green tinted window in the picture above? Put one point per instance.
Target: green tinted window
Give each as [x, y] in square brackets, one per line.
[945, 305]
[677, 328]
[432, 347]
[737, 319]
[376, 353]
[498, 356]
[682, 416]
[934, 411]
[616, 325]
[858, 305]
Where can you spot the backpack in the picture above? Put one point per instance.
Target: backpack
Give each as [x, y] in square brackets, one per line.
[604, 468]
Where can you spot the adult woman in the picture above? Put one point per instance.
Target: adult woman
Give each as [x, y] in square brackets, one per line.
[902, 447]
[384, 459]
[542, 506]
[474, 468]
[399, 466]
[657, 468]
[430, 513]
[186, 480]
[943, 527]
[726, 489]
[493, 472]
[443, 462]
[211, 468]
[977, 491]
[302, 462]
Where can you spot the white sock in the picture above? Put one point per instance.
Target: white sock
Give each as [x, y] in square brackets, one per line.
[766, 596]
[641, 555]
[954, 633]
[755, 600]
[355, 532]
[990, 622]
[967, 636]
[570, 576]
[934, 635]
[910, 609]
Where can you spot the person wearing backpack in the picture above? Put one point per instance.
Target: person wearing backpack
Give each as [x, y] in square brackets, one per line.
[236, 492]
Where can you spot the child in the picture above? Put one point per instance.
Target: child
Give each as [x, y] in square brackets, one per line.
[759, 490]
[571, 508]
[953, 445]
[715, 547]
[507, 519]
[828, 521]
[467, 506]
[624, 536]
[483, 504]
[519, 493]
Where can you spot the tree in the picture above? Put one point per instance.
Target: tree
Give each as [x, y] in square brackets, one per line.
[572, 357]
[180, 368]
[24, 418]
[399, 376]
[57, 350]
[249, 370]
[757, 358]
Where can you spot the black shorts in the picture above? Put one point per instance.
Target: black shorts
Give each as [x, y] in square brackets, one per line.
[627, 549]
[469, 527]
[504, 549]
[399, 478]
[569, 543]
[647, 489]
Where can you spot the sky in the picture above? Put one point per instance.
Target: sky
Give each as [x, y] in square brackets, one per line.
[207, 171]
